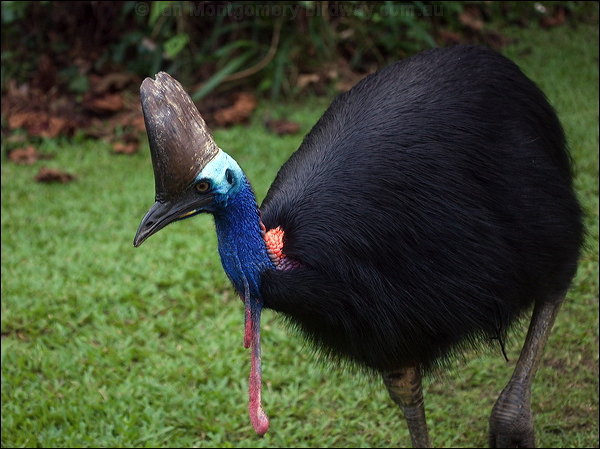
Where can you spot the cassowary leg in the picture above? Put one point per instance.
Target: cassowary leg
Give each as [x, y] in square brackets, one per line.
[511, 422]
[404, 386]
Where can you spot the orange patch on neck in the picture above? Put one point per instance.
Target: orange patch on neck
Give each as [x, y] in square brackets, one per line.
[274, 240]
[274, 243]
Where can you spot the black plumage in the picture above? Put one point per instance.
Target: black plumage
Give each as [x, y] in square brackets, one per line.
[429, 207]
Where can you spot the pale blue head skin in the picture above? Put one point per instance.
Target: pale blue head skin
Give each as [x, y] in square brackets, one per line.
[225, 176]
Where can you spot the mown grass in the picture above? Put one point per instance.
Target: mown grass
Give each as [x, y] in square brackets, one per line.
[106, 345]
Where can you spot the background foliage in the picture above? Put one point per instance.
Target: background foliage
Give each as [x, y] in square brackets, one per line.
[267, 45]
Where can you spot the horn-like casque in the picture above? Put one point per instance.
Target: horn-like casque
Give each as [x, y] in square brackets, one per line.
[180, 142]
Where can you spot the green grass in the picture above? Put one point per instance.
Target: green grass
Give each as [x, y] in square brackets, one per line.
[107, 345]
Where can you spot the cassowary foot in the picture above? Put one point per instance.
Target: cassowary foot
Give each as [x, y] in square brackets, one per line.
[511, 422]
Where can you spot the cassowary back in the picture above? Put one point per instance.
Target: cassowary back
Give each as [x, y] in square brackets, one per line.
[429, 206]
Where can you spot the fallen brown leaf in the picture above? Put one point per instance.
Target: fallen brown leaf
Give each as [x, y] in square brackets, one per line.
[558, 18]
[450, 37]
[20, 119]
[282, 127]
[115, 80]
[305, 79]
[51, 128]
[105, 103]
[470, 20]
[53, 175]
[24, 156]
[27, 155]
[39, 123]
[125, 148]
[239, 112]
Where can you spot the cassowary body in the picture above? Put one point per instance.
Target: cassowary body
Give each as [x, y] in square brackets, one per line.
[428, 208]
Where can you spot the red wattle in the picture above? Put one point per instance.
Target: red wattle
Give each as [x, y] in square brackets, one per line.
[258, 417]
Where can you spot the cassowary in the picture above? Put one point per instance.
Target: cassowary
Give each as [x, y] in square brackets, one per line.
[428, 209]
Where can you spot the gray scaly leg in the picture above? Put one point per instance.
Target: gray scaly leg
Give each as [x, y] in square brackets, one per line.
[404, 386]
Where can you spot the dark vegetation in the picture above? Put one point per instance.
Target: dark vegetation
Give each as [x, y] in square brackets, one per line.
[71, 67]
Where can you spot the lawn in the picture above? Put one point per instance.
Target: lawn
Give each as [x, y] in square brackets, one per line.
[106, 345]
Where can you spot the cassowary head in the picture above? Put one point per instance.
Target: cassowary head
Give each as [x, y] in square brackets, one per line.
[192, 175]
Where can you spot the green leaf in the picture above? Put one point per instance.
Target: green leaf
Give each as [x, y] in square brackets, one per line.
[79, 84]
[216, 79]
[174, 45]
[158, 8]
[13, 11]
[228, 48]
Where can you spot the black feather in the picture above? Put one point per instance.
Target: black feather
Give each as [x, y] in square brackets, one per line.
[429, 206]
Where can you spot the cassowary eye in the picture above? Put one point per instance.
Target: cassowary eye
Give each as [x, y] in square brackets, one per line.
[203, 186]
[229, 176]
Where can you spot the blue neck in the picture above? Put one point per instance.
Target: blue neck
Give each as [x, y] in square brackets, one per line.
[241, 245]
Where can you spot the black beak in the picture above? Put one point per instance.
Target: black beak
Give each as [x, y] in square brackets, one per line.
[163, 213]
